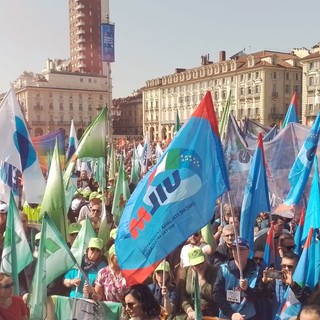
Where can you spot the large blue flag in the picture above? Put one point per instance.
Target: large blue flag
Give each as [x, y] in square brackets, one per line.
[292, 114]
[256, 194]
[176, 198]
[312, 219]
[301, 168]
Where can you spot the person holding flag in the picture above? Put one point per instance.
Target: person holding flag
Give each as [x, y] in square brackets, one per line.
[238, 285]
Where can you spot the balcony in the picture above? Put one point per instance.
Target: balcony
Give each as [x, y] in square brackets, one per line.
[81, 48]
[51, 123]
[82, 56]
[81, 40]
[79, 7]
[82, 65]
[38, 123]
[80, 15]
[37, 108]
[63, 123]
[80, 23]
[80, 31]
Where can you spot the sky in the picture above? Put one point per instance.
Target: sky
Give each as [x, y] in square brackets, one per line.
[154, 37]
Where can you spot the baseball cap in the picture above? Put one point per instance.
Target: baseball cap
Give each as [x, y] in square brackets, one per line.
[86, 193]
[242, 243]
[37, 236]
[3, 208]
[112, 250]
[95, 195]
[163, 266]
[96, 243]
[113, 233]
[196, 256]
[74, 227]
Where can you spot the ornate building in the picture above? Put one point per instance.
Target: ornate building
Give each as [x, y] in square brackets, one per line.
[261, 86]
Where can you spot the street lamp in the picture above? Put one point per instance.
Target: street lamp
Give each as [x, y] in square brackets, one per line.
[114, 114]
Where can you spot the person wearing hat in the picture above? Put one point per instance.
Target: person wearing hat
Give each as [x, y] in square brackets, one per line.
[94, 199]
[164, 288]
[238, 284]
[110, 284]
[73, 230]
[91, 264]
[199, 270]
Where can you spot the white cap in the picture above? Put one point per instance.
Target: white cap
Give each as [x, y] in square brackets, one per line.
[3, 208]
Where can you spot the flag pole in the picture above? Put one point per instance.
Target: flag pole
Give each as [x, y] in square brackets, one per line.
[236, 236]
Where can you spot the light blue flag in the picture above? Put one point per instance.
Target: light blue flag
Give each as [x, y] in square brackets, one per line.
[312, 218]
[291, 115]
[256, 194]
[301, 168]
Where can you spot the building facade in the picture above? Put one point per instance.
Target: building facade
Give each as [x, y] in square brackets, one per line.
[261, 86]
[51, 100]
[130, 124]
[311, 86]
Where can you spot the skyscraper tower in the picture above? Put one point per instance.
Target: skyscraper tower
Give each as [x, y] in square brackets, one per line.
[85, 18]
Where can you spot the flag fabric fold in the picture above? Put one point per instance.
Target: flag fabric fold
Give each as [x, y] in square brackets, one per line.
[177, 123]
[256, 194]
[54, 201]
[73, 142]
[302, 166]
[16, 147]
[15, 246]
[176, 198]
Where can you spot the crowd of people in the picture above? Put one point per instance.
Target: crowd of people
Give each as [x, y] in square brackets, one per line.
[228, 279]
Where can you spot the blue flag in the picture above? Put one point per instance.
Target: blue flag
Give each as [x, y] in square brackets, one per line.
[312, 219]
[256, 196]
[301, 168]
[176, 198]
[292, 114]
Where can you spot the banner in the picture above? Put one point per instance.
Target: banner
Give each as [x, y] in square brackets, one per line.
[107, 42]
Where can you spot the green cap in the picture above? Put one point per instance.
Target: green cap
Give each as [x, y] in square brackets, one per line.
[95, 243]
[196, 256]
[113, 233]
[74, 227]
[95, 195]
[112, 251]
[163, 266]
[86, 193]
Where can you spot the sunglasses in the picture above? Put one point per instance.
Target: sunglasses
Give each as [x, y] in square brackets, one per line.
[95, 250]
[130, 305]
[7, 286]
[256, 259]
[288, 266]
[95, 210]
[290, 247]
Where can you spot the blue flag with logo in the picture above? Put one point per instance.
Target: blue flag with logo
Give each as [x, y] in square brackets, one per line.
[176, 198]
[301, 168]
[256, 194]
[292, 114]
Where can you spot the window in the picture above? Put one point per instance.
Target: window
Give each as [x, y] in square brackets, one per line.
[81, 79]
[274, 75]
[241, 91]
[61, 106]
[311, 81]
[257, 75]
[80, 107]
[71, 106]
[287, 88]
[287, 76]
[249, 90]
[257, 89]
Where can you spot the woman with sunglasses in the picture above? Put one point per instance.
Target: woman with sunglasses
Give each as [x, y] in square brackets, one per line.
[164, 289]
[140, 304]
[11, 307]
[91, 264]
[110, 283]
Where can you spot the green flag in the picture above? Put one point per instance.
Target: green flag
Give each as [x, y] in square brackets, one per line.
[208, 237]
[54, 259]
[81, 242]
[54, 201]
[135, 166]
[177, 123]
[224, 118]
[121, 194]
[104, 230]
[15, 245]
[112, 164]
[91, 145]
[197, 298]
